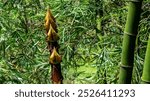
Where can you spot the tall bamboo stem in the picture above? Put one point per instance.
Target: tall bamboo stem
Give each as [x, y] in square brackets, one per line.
[146, 69]
[130, 33]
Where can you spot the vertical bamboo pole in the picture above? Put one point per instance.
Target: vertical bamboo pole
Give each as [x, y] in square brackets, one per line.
[52, 39]
[130, 33]
[146, 69]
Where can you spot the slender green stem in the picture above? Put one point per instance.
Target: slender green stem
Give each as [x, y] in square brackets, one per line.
[146, 69]
[130, 33]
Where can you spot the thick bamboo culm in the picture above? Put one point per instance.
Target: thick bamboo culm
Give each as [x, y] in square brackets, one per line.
[130, 33]
[146, 69]
[52, 39]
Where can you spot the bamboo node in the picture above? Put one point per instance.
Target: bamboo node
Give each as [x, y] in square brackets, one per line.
[130, 34]
[125, 66]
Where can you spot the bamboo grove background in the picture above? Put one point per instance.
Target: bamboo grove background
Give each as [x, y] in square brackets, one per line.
[91, 36]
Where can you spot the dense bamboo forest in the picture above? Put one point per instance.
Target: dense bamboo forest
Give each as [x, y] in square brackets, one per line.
[74, 41]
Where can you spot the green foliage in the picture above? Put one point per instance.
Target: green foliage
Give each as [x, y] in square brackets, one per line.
[88, 57]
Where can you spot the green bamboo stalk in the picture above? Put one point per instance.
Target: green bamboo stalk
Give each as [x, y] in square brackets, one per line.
[146, 69]
[130, 33]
